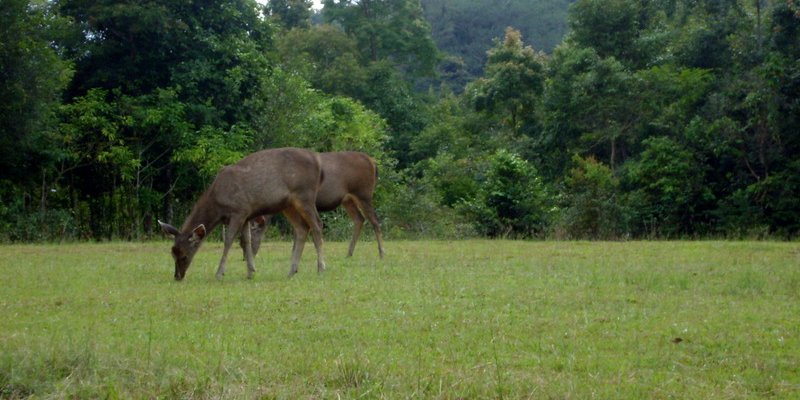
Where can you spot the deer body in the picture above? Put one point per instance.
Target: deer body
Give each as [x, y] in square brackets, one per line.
[266, 182]
[350, 179]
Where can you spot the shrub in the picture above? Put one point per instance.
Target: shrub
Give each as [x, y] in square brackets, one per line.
[412, 209]
[669, 189]
[590, 203]
[511, 199]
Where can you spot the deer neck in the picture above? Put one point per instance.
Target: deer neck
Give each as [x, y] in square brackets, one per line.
[204, 212]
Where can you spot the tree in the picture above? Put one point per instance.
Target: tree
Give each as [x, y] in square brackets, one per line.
[668, 191]
[387, 30]
[327, 57]
[290, 13]
[211, 53]
[464, 29]
[180, 78]
[294, 114]
[32, 78]
[513, 83]
[404, 110]
[330, 60]
[610, 27]
[591, 107]
[447, 131]
[591, 203]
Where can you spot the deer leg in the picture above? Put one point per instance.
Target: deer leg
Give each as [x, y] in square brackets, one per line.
[248, 250]
[358, 223]
[247, 228]
[257, 233]
[234, 226]
[300, 235]
[311, 217]
[369, 212]
[257, 226]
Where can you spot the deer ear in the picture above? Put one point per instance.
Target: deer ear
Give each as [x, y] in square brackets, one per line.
[199, 232]
[168, 229]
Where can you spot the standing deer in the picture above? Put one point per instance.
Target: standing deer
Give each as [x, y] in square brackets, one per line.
[350, 179]
[278, 180]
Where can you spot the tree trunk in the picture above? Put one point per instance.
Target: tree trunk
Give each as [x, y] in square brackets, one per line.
[43, 200]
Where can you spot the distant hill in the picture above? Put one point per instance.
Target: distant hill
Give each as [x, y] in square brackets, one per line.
[465, 28]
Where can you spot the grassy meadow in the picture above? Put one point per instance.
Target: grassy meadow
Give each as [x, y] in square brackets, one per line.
[435, 319]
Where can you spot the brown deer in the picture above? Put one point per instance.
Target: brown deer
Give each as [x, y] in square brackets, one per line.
[266, 182]
[350, 179]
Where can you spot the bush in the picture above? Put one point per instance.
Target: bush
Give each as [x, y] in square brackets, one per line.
[590, 203]
[768, 208]
[670, 189]
[411, 208]
[453, 179]
[22, 220]
[511, 198]
[54, 225]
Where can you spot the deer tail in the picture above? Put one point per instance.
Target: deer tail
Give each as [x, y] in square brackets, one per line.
[374, 166]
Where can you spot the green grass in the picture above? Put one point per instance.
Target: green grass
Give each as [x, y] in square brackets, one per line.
[435, 319]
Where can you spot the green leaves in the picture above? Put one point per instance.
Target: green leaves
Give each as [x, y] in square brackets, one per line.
[669, 192]
[610, 27]
[339, 123]
[591, 202]
[651, 118]
[511, 198]
[387, 29]
[290, 13]
[32, 78]
[513, 82]
[293, 114]
[210, 149]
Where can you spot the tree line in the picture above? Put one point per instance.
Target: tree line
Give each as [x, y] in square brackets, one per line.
[662, 119]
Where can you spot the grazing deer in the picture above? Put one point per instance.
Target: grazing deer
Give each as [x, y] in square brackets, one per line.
[350, 179]
[277, 180]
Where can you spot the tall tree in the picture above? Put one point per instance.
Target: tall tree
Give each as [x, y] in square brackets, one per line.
[466, 28]
[290, 13]
[590, 108]
[630, 31]
[32, 78]
[327, 57]
[395, 48]
[211, 52]
[513, 82]
[387, 30]
[180, 78]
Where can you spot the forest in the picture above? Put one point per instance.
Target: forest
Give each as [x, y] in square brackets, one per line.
[592, 119]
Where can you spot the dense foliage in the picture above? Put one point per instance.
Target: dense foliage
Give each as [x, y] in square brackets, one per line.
[658, 119]
[464, 29]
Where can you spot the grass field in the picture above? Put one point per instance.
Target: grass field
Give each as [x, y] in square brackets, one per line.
[435, 319]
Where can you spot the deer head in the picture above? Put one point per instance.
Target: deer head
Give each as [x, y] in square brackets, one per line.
[185, 247]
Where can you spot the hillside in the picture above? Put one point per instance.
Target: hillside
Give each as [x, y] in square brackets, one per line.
[466, 28]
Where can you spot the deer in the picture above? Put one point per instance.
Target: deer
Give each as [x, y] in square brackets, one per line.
[284, 180]
[350, 179]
